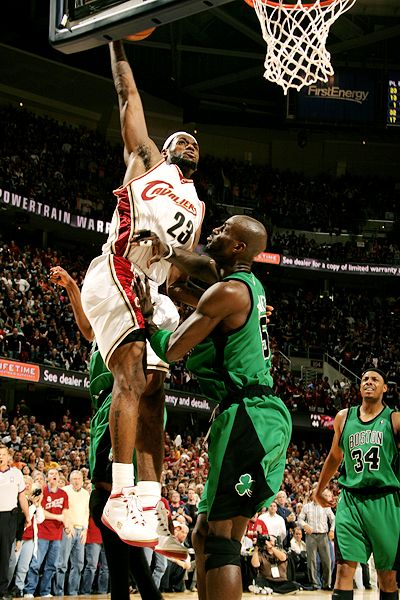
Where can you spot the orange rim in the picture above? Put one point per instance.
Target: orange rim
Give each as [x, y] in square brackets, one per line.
[273, 4]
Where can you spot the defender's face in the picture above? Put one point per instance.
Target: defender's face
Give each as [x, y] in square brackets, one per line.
[372, 386]
[221, 240]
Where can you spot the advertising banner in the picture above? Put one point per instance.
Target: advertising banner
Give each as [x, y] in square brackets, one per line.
[188, 402]
[11, 198]
[315, 264]
[19, 370]
[61, 378]
[347, 96]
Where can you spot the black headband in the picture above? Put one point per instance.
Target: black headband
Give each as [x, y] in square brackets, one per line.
[375, 370]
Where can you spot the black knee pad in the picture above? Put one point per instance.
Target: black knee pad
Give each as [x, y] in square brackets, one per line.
[221, 552]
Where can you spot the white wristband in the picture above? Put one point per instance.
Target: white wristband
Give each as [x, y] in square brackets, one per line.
[170, 252]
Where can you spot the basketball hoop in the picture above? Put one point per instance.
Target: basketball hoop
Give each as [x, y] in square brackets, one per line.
[296, 36]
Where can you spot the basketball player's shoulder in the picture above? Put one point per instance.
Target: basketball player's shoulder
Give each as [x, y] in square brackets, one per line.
[395, 418]
[341, 419]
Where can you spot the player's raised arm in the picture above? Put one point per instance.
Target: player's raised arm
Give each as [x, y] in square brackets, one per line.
[133, 123]
[61, 277]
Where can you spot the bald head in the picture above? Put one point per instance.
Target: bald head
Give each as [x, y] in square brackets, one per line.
[251, 232]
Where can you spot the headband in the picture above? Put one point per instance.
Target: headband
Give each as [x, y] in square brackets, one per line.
[169, 139]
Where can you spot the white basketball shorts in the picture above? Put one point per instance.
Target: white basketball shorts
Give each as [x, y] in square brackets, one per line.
[113, 309]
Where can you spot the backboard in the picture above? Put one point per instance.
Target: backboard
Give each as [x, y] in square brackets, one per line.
[77, 25]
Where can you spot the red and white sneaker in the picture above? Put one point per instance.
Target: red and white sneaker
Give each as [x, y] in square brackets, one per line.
[123, 515]
[167, 546]
[170, 547]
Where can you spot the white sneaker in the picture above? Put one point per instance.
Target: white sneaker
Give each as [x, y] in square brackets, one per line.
[47, 596]
[157, 518]
[123, 515]
[255, 589]
[29, 596]
[170, 547]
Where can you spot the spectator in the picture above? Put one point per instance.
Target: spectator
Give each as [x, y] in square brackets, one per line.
[27, 538]
[12, 487]
[73, 541]
[55, 505]
[274, 522]
[177, 507]
[174, 577]
[271, 564]
[318, 524]
[95, 559]
[287, 514]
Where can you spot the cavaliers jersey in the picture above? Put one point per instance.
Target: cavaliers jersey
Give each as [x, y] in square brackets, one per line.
[223, 363]
[163, 201]
[371, 455]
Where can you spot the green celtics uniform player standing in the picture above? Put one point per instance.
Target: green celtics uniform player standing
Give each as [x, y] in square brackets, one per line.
[230, 356]
[368, 511]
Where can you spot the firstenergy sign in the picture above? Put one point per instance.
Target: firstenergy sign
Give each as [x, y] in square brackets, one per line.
[337, 93]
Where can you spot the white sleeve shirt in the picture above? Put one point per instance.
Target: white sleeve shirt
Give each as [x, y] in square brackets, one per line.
[11, 484]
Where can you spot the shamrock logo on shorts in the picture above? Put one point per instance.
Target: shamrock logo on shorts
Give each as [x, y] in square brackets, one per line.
[244, 485]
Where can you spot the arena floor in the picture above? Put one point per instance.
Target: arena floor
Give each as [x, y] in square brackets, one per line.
[358, 595]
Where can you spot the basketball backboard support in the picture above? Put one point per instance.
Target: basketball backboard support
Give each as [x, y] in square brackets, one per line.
[77, 25]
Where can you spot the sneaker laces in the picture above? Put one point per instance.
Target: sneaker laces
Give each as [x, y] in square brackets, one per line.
[133, 508]
[162, 520]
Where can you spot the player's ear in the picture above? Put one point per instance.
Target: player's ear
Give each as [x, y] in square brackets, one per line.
[240, 247]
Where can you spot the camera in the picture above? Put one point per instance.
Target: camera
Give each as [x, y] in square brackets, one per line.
[261, 539]
[36, 492]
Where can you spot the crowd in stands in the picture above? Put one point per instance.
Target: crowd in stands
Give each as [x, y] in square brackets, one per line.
[372, 251]
[37, 325]
[75, 169]
[59, 450]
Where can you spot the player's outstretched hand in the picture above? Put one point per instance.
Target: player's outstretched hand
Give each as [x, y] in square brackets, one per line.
[60, 276]
[142, 290]
[145, 237]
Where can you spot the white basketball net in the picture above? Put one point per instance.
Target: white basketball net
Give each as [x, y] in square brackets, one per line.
[296, 38]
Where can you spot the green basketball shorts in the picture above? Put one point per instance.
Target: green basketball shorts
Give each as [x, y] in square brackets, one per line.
[368, 524]
[247, 454]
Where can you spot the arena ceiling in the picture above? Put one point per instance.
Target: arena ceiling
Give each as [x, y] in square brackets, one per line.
[211, 65]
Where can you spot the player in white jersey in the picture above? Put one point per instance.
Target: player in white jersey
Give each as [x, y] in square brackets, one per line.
[157, 194]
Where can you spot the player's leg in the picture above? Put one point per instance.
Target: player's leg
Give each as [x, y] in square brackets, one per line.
[126, 365]
[150, 436]
[383, 513]
[122, 512]
[222, 565]
[199, 537]
[150, 458]
[343, 589]
[388, 589]
[150, 430]
[111, 306]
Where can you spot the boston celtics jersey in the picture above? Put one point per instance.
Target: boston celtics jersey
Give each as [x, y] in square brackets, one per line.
[225, 363]
[371, 455]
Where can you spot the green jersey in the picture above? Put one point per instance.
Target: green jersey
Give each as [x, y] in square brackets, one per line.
[371, 455]
[227, 363]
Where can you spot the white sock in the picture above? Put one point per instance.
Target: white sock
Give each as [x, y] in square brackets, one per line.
[122, 476]
[149, 493]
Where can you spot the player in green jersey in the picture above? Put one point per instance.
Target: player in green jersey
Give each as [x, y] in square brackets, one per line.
[367, 440]
[231, 358]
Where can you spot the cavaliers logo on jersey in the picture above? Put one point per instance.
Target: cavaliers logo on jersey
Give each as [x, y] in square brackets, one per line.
[153, 189]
